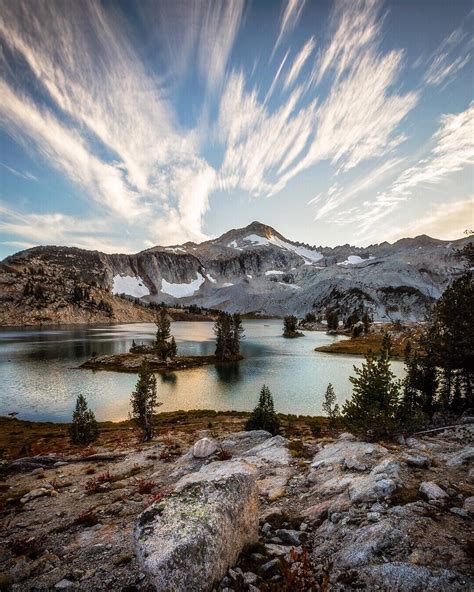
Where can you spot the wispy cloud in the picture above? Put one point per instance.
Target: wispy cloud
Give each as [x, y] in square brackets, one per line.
[299, 62]
[447, 221]
[22, 174]
[452, 55]
[289, 18]
[453, 150]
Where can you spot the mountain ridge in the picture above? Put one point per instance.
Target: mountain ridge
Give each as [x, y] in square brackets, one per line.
[250, 269]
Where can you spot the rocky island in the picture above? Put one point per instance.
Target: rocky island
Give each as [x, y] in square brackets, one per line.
[131, 362]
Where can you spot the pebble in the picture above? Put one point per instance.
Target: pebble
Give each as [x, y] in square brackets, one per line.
[250, 577]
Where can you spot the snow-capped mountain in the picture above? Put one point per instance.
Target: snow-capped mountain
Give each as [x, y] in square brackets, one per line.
[252, 269]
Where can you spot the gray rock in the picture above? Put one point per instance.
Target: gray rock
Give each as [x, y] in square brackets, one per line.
[405, 577]
[417, 460]
[190, 539]
[292, 537]
[460, 458]
[64, 584]
[373, 516]
[459, 512]
[250, 578]
[270, 568]
[204, 448]
[468, 504]
[432, 491]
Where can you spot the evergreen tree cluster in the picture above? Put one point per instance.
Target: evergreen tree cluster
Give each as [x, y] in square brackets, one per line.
[263, 417]
[229, 331]
[332, 319]
[165, 343]
[290, 327]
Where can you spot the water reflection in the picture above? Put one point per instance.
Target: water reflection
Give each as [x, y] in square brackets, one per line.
[228, 373]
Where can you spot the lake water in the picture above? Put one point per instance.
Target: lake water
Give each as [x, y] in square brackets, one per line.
[39, 378]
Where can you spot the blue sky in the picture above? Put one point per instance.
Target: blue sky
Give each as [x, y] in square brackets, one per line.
[130, 124]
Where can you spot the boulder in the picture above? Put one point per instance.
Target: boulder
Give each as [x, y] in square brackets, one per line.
[469, 505]
[273, 450]
[204, 448]
[462, 457]
[188, 540]
[432, 491]
[216, 471]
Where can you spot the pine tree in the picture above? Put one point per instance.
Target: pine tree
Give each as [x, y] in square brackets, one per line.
[372, 410]
[330, 407]
[229, 331]
[173, 348]
[83, 429]
[263, 417]
[144, 402]
[163, 328]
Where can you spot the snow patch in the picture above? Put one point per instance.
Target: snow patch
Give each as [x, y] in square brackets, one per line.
[233, 245]
[274, 272]
[176, 249]
[132, 286]
[308, 255]
[249, 276]
[182, 290]
[294, 286]
[227, 284]
[355, 260]
[210, 278]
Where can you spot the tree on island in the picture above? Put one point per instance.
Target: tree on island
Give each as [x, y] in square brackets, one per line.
[332, 319]
[163, 345]
[290, 327]
[373, 409]
[144, 402]
[84, 429]
[229, 331]
[263, 417]
[330, 406]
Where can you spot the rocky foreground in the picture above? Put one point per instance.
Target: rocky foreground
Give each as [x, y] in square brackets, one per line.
[244, 511]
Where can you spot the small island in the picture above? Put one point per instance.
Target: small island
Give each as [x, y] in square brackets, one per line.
[290, 324]
[162, 354]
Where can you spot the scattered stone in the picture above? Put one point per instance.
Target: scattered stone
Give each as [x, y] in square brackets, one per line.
[204, 448]
[469, 504]
[64, 584]
[270, 568]
[461, 458]
[459, 512]
[420, 461]
[250, 578]
[276, 550]
[432, 491]
[373, 516]
[292, 537]
[35, 493]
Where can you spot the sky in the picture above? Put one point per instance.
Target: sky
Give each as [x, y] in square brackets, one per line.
[128, 124]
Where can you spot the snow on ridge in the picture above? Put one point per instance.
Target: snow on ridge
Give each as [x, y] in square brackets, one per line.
[308, 255]
[182, 290]
[274, 272]
[176, 249]
[294, 286]
[355, 260]
[130, 285]
[233, 245]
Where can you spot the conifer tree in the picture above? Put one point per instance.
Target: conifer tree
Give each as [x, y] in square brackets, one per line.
[290, 325]
[83, 429]
[163, 328]
[330, 406]
[263, 417]
[229, 331]
[173, 348]
[144, 401]
[372, 410]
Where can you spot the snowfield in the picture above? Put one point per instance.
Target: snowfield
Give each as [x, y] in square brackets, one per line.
[274, 272]
[308, 255]
[182, 290]
[355, 260]
[129, 285]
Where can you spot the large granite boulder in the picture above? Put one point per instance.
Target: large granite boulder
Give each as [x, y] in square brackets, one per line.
[188, 540]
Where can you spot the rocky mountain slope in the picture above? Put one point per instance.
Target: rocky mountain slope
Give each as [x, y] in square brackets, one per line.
[228, 510]
[252, 269]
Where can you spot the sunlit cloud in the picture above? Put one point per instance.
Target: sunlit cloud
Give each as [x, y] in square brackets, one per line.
[21, 174]
[299, 62]
[452, 55]
[289, 18]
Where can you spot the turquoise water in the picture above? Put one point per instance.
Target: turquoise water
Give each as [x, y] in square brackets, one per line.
[39, 378]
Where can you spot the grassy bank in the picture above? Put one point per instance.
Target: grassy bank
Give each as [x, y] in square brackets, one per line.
[19, 438]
